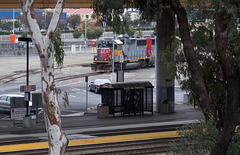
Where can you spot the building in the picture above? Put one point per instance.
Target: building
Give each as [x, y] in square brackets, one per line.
[82, 12]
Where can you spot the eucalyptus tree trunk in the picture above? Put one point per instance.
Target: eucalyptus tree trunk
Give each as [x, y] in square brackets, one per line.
[57, 140]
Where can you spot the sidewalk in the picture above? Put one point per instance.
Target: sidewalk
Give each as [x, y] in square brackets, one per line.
[75, 125]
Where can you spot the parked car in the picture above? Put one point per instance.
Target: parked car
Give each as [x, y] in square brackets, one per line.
[5, 103]
[22, 44]
[31, 45]
[97, 85]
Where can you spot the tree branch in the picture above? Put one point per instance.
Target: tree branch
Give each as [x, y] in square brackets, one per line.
[232, 84]
[191, 58]
[28, 10]
[56, 17]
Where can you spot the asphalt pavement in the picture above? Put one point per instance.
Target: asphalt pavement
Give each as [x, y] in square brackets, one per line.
[76, 124]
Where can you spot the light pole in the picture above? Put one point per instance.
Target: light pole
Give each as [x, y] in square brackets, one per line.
[27, 93]
[27, 118]
[86, 80]
[104, 25]
[13, 20]
[113, 59]
[85, 30]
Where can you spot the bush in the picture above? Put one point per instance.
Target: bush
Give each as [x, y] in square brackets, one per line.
[24, 34]
[94, 33]
[5, 33]
[139, 34]
[77, 33]
[131, 31]
[198, 139]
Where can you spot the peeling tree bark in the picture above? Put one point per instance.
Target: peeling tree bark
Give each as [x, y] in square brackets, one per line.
[57, 140]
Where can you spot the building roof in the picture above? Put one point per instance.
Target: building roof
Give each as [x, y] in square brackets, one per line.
[77, 11]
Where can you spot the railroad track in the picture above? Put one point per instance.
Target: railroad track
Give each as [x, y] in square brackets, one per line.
[17, 75]
[148, 146]
[133, 131]
[22, 73]
[63, 78]
[141, 146]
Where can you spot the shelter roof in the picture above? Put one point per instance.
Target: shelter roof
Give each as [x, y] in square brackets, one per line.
[52, 3]
[47, 4]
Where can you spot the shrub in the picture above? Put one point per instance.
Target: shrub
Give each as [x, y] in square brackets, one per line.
[24, 34]
[94, 33]
[77, 33]
[200, 138]
[139, 34]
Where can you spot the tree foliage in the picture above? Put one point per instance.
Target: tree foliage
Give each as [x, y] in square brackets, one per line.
[200, 138]
[218, 63]
[203, 38]
[24, 34]
[77, 33]
[112, 14]
[211, 54]
[8, 25]
[58, 47]
[150, 9]
[94, 33]
[74, 21]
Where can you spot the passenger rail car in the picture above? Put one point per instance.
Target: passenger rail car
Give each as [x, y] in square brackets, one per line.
[126, 50]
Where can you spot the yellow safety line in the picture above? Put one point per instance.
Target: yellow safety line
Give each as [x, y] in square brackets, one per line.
[119, 60]
[101, 61]
[108, 139]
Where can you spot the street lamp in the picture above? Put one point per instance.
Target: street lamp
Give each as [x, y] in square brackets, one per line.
[27, 118]
[85, 30]
[27, 93]
[13, 21]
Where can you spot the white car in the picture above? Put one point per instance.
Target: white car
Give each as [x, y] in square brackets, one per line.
[97, 85]
[5, 102]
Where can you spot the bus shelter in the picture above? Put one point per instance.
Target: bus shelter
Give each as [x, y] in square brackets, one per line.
[128, 97]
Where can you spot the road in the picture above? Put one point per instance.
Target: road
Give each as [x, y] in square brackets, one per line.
[76, 88]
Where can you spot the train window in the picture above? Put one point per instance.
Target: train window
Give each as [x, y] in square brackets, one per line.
[153, 41]
[109, 44]
[103, 45]
[132, 41]
[141, 42]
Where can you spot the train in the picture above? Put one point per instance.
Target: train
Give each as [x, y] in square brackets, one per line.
[126, 50]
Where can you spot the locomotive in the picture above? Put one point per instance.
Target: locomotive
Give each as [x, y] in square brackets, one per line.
[126, 50]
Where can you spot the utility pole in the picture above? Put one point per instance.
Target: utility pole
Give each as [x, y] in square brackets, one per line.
[85, 30]
[104, 24]
[45, 23]
[13, 20]
[113, 60]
